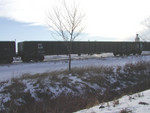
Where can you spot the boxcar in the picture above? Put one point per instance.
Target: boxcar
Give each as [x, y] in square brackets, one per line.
[126, 48]
[35, 50]
[7, 51]
[146, 46]
[117, 48]
[31, 50]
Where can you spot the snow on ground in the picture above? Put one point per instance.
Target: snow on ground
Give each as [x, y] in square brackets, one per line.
[136, 103]
[16, 69]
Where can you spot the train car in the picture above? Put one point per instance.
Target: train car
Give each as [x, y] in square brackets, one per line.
[54, 48]
[146, 46]
[7, 51]
[80, 47]
[31, 50]
[126, 48]
[117, 48]
[35, 50]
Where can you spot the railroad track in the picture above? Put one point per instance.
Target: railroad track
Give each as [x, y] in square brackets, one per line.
[64, 58]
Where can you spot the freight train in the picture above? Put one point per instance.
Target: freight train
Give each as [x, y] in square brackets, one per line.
[36, 50]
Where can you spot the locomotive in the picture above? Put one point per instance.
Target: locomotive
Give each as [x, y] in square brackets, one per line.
[36, 50]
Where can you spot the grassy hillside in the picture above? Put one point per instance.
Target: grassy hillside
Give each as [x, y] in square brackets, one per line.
[63, 92]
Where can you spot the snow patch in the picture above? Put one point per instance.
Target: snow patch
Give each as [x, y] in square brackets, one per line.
[18, 69]
[128, 103]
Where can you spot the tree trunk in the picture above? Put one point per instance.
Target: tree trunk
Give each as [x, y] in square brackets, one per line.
[69, 62]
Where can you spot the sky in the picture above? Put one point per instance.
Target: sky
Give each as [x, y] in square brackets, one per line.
[105, 20]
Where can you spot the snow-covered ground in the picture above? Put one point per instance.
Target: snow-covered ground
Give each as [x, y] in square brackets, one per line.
[16, 69]
[136, 103]
[51, 63]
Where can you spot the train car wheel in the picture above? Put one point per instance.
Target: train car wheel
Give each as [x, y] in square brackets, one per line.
[35, 59]
[79, 54]
[41, 58]
[127, 54]
[25, 59]
[10, 60]
[134, 53]
[139, 53]
[28, 60]
[115, 54]
[121, 54]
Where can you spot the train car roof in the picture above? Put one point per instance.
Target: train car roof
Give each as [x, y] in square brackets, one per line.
[73, 41]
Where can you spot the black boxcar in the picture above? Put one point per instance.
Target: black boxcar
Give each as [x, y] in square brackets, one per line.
[7, 51]
[125, 48]
[97, 47]
[31, 50]
[146, 46]
[80, 47]
[35, 50]
[54, 48]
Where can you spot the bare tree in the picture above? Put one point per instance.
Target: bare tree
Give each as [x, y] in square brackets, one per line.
[66, 22]
[146, 32]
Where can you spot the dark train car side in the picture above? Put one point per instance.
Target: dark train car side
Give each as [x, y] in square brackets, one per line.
[30, 50]
[146, 46]
[54, 48]
[126, 48]
[7, 51]
[35, 50]
[117, 48]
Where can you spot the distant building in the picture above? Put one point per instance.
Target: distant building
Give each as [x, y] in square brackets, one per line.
[137, 39]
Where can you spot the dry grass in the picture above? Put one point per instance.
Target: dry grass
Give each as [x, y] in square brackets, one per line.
[115, 103]
[125, 111]
[132, 75]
